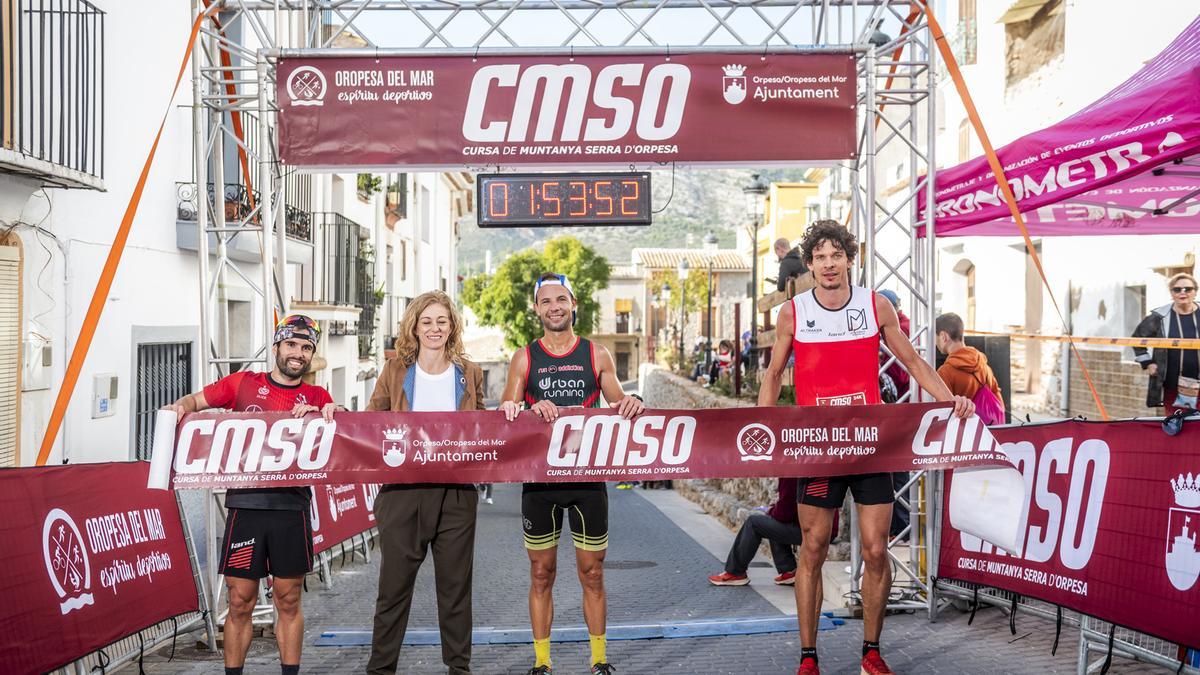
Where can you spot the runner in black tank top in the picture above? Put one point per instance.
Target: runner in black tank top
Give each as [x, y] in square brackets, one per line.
[568, 381]
[563, 370]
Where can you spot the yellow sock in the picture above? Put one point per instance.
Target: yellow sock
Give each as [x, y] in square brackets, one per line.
[541, 651]
[598, 643]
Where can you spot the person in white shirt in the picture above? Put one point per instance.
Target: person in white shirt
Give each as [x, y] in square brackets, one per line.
[429, 373]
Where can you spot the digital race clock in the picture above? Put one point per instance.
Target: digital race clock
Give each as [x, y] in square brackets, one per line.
[553, 199]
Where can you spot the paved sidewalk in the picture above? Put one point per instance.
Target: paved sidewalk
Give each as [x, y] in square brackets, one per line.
[656, 574]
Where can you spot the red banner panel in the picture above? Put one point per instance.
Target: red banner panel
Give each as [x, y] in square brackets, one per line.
[615, 110]
[274, 449]
[90, 556]
[340, 512]
[1113, 515]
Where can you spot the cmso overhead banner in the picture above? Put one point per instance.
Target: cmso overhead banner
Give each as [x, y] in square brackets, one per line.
[429, 112]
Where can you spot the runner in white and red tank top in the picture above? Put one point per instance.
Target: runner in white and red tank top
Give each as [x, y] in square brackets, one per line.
[834, 330]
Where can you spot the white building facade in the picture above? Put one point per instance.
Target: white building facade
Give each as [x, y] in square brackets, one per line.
[358, 248]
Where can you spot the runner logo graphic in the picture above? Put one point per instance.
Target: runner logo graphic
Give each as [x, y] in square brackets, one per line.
[733, 85]
[306, 86]
[395, 447]
[1183, 559]
[67, 561]
[756, 442]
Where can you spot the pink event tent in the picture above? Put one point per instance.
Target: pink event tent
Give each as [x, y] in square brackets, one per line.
[1127, 164]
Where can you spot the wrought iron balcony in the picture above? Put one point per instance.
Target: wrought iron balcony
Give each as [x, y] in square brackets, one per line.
[240, 204]
[350, 273]
[52, 91]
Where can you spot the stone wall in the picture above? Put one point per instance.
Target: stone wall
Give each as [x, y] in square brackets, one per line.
[1121, 385]
[731, 500]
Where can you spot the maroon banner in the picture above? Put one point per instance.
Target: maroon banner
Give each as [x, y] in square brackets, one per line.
[1113, 514]
[340, 512]
[90, 556]
[431, 112]
[273, 449]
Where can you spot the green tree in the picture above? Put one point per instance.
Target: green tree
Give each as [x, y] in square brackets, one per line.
[697, 287]
[505, 299]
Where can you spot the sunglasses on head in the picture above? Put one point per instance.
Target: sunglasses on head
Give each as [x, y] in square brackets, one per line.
[1183, 289]
[295, 321]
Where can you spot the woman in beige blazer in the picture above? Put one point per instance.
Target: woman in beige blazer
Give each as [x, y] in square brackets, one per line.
[430, 372]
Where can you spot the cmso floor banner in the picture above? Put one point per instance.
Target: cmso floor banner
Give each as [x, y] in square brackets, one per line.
[90, 556]
[1114, 510]
[339, 512]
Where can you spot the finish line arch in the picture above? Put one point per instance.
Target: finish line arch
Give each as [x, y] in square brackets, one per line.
[252, 50]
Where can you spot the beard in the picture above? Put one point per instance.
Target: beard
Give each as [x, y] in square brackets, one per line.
[562, 325]
[281, 362]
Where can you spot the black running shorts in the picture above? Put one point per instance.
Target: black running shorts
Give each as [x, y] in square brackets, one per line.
[829, 493]
[260, 542]
[543, 511]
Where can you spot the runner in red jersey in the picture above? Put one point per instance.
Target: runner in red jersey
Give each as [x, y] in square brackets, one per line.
[834, 331]
[267, 531]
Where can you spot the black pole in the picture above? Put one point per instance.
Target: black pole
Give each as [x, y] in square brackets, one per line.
[708, 320]
[752, 364]
[682, 317]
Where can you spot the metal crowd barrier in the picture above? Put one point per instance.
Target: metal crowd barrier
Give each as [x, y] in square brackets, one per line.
[1126, 643]
[358, 545]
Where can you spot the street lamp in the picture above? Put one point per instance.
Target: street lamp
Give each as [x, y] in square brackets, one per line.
[683, 275]
[710, 240]
[756, 198]
[666, 310]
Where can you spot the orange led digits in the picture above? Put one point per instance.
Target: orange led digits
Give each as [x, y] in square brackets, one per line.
[563, 199]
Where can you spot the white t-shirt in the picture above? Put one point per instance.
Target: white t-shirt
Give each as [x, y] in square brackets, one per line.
[434, 392]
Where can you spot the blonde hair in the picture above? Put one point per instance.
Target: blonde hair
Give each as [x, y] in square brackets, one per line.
[1182, 275]
[407, 344]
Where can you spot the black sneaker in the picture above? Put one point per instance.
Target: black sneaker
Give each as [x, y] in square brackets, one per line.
[540, 670]
[603, 669]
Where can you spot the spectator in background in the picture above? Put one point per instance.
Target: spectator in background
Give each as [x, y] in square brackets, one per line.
[780, 527]
[966, 371]
[1174, 373]
[896, 371]
[790, 263]
[899, 378]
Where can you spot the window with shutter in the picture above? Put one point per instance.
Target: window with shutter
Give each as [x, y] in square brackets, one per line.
[10, 354]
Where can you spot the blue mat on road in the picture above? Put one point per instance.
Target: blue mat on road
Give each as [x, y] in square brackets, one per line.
[361, 637]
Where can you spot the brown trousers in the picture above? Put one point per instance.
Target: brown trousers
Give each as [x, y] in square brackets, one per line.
[412, 520]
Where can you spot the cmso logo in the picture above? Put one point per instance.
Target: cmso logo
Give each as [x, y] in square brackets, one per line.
[1066, 484]
[248, 445]
[610, 440]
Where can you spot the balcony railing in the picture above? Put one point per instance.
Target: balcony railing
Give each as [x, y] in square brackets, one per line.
[52, 90]
[237, 205]
[350, 273]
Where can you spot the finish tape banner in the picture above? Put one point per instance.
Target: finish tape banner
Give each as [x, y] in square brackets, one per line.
[91, 556]
[1114, 510]
[549, 110]
[340, 512]
[228, 450]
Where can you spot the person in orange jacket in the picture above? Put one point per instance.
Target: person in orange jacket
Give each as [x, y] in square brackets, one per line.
[966, 369]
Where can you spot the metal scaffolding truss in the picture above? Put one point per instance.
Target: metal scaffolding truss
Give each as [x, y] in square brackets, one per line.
[897, 110]
[234, 79]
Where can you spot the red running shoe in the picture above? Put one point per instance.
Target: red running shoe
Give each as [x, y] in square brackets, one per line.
[873, 664]
[727, 579]
[786, 579]
[809, 667]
